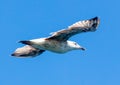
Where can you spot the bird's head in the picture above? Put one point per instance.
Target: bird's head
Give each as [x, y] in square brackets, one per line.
[75, 46]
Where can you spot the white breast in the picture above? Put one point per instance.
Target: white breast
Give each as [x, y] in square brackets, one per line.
[51, 45]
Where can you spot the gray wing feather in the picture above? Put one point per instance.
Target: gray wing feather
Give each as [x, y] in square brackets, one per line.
[27, 51]
[78, 27]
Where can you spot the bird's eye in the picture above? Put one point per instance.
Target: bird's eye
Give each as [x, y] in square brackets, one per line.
[75, 43]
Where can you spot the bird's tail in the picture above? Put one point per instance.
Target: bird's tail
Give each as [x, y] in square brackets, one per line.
[26, 42]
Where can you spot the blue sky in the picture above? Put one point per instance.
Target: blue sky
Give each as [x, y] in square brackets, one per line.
[29, 19]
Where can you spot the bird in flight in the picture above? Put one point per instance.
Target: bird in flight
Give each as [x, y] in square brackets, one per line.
[58, 42]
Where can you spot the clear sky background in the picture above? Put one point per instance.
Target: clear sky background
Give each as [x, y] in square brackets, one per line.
[29, 19]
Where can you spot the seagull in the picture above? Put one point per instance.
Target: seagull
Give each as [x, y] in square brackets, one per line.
[58, 41]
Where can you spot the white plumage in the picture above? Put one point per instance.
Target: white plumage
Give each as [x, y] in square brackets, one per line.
[58, 41]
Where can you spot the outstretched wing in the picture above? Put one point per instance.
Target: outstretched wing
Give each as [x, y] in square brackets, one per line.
[78, 27]
[27, 51]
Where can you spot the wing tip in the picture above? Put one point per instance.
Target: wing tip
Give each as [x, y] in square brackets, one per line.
[97, 19]
[95, 24]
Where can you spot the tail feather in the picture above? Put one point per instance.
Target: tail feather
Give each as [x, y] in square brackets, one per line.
[26, 42]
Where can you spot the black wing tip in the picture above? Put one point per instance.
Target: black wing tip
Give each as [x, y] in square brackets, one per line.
[96, 21]
[30, 54]
[15, 54]
[25, 42]
[23, 55]
[95, 18]
[12, 54]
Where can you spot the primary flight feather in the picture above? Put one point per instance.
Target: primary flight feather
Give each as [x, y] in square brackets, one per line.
[58, 42]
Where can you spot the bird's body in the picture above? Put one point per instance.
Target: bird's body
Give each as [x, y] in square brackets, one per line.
[50, 45]
[53, 45]
[58, 42]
